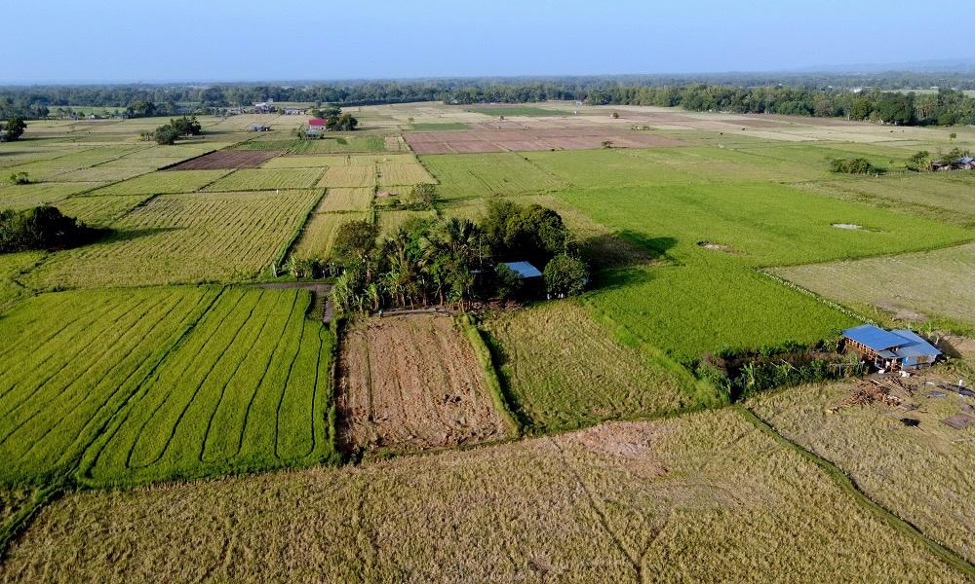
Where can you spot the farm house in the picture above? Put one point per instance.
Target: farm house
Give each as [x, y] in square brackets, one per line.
[892, 350]
[315, 126]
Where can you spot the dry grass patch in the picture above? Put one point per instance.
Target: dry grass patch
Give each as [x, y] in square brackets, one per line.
[566, 370]
[705, 497]
[412, 382]
[923, 474]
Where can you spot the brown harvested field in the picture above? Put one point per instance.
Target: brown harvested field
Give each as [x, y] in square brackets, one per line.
[412, 382]
[700, 498]
[227, 159]
[526, 139]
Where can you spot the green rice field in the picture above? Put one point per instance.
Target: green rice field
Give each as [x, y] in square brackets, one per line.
[184, 361]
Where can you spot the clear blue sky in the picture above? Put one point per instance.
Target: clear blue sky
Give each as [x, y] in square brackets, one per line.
[244, 40]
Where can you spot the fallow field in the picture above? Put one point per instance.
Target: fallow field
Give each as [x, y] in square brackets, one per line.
[412, 382]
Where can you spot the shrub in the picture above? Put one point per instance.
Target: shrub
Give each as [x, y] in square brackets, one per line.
[565, 275]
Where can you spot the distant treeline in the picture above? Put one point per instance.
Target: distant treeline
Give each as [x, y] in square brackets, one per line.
[859, 97]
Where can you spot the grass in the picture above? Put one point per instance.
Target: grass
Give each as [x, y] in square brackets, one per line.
[946, 197]
[185, 238]
[12, 268]
[200, 381]
[483, 175]
[517, 110]
[936, 284]
[565, 370]
[438, 126]
[260, 179]
[706, 300]
[914, 472]
[701, 497]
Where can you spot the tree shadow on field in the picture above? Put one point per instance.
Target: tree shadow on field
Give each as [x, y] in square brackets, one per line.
[119, 236]
[614, 278]
[626, 249]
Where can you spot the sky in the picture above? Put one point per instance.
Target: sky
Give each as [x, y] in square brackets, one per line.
[80, 41]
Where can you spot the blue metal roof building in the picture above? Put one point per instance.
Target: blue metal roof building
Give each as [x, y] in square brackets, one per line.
[524, 270]
[900, 349]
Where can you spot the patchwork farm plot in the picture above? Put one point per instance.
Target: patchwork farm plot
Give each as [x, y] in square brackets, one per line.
[172, 357]
[557, 360]
[260, 179]
[412, 382]
[229, 159]
[200, 380]
[319, 234]
[532, 139]
[164, 182]
[186, 238]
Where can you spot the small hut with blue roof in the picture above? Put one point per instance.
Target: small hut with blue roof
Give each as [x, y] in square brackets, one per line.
[892, 350]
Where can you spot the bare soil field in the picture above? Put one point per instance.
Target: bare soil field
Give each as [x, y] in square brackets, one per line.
[412, 382]
[535, 138]
[227, 159]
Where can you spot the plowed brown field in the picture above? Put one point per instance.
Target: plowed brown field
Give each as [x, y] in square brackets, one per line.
[227, 159]
[412, 382]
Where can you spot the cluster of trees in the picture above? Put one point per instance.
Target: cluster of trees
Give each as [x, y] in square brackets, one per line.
[453, 261]
[743, 373]
[825, 95]
[924, 161]
[43, 228]
[174, 130]
[335, 120]
[12, 129]
[854, 166]
[945, 107]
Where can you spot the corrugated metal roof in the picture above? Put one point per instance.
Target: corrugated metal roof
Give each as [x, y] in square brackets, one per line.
[524, 269]
[916, 346]
[874, 337]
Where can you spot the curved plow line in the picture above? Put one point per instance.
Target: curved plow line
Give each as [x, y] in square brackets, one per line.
[223, 390]
[122, 362]
[29, 325]
[196, 391]
[264, 374]
[148, 386]
[141, 387]
[284, 388]
[12, 371]
[315, 388]
[64, 366]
